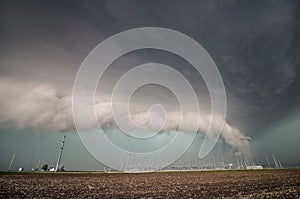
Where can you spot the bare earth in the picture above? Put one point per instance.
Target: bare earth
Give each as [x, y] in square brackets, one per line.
[214, 184]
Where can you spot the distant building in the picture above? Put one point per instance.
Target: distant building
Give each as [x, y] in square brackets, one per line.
[52, 169]
[254, 167]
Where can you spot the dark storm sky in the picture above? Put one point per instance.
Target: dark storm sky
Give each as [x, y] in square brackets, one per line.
[255, 45]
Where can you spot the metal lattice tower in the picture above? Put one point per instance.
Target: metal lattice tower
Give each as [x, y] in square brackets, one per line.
[60, 153]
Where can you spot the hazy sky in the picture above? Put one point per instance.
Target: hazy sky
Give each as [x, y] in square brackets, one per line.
[255, 45]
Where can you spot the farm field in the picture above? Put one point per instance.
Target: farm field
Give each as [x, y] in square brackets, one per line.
[192, 184]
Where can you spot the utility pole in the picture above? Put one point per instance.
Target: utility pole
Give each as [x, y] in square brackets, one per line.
[38, 164]
[280, 166]
[60, 154]
[11, 161]
[268, 162]
[29, 165]
[275, 161]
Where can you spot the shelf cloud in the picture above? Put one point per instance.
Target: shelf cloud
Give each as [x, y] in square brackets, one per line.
[42, 108]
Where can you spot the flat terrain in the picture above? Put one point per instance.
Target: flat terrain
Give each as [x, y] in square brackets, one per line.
[194, 184]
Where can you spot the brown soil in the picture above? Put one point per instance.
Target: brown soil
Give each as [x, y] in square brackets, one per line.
[216, 184]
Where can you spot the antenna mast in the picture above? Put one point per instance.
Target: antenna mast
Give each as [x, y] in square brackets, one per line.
[60, 154]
